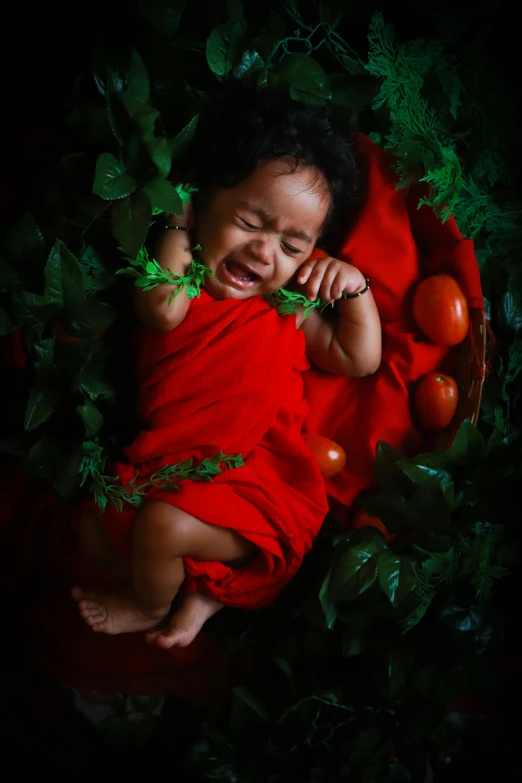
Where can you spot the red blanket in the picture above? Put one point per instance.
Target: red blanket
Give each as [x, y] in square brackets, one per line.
[394, 244]
[229, 379]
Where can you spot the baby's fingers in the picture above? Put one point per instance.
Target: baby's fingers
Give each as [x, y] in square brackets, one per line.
[305, 271]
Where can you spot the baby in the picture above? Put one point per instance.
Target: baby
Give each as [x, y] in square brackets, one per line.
[273, 178]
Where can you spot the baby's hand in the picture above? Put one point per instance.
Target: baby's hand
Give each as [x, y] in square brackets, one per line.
[329, 278]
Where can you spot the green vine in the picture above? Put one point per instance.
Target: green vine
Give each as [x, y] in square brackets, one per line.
[105, 488]
[148, 274]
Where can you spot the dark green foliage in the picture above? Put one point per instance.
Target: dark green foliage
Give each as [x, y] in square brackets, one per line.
[364, 652]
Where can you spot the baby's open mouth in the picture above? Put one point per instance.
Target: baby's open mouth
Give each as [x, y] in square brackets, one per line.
[241, 272]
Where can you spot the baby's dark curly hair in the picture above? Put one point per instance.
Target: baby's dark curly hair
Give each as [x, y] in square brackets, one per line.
[246, 127]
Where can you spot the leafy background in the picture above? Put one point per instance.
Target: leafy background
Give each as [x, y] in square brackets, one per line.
[354, 673]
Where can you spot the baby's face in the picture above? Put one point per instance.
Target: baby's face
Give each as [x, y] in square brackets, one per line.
[255, 236]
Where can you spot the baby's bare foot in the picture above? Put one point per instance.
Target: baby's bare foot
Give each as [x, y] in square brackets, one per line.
[114, 613]
[186, 622]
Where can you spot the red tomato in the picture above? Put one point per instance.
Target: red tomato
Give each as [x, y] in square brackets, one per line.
[441, 310]
[330, 456]
[435, 401]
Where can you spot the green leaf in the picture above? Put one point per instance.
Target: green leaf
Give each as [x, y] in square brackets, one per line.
[246, 697]
[88, 318]
[159, 151]
[44, 353]
[39, 462]
[73, 275]
[162, 194]
[462, 618]
[32, 311]
[91, 417]
[6, 325]
[130, 222]
[354, 570]
[304, 74]
[53, 276]
[396, 576]
[468, 444]
[164, 15]
[24, 242]
[224, 46]
[67, 478]
[250, 63]
[111, 181]
[181, 140]
[422, 475]
[142, 114]
[138, 83]
[40, 405]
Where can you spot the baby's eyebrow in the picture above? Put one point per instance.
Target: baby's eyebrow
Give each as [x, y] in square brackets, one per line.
[260, 212]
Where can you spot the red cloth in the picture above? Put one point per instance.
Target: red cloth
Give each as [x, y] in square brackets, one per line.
[229, 379]
[394, 244]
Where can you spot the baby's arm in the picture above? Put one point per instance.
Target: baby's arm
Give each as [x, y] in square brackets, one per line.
[172, 252]
[351, 345]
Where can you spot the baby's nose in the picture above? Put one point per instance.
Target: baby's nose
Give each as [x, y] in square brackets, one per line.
[261, 249]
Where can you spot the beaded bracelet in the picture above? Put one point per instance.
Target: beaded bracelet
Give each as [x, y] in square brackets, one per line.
[176, 228]
[359, 293]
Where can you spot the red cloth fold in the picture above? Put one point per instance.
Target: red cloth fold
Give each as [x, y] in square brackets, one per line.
[394, 244]
[229, 379]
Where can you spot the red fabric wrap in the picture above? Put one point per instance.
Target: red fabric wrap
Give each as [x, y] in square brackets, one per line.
[394, 244]
[229, 379]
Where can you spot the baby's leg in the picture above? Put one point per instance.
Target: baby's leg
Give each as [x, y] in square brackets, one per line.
[163, 535]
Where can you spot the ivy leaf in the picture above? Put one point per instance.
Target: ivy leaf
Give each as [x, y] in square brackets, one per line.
[468, 444]
[423, 475]
[250, 63]
[138, 83]
[39, 462]
[24, 242]
[33, 311]
[305, 75]
[88, 319]
[91, 417]
[224, 46]
[72, 273]
[181, 140]
[44, 353]
[396, 576]
[354, 570]
[6, 325]
[159, 150]
[130, 222]
[53, 277]
[111, 181]
[142, 114]
[163, 195]
[68, 473]
[40, 405]
[164, 15]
